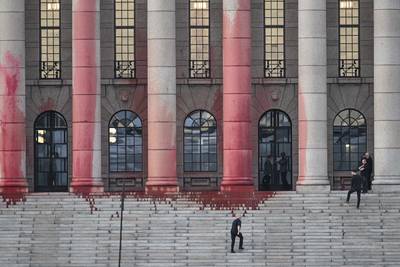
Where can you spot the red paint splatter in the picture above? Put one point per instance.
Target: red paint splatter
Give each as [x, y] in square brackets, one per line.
[47, 105]
[12, 130]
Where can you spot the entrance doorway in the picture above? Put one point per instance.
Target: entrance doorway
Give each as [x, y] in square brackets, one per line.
[51, 153]
[275, 151]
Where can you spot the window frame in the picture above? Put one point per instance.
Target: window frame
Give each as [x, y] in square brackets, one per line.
[41, 28]
[352, 26]
[191, 170]
[134, 70]
[348, 126]
[207, 71]
[126, 169]
[276, 26]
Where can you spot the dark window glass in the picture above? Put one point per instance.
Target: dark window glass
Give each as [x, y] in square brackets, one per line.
[200, 145]
[50, 63]
[125, 142]
[349, 139]
[51, 152]
[275, 138]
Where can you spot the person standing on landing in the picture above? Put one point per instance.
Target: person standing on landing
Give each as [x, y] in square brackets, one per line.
[235, 231]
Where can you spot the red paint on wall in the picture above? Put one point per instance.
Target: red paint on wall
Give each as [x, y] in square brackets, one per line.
[12, 128]
[47, 105]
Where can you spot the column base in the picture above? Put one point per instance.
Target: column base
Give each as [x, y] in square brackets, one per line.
[86, 186]
[13, 186]
[386, 188]
[312, 188]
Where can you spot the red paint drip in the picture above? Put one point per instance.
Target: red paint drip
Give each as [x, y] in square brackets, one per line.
[12, 130]
[302, 138]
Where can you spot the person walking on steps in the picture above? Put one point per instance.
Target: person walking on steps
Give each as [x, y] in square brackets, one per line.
[235, 231]
[356, 185]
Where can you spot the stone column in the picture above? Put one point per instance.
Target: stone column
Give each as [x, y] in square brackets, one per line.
[12, 98]
[237, 95]
[312, 97]
[86, 108]
[161, 98]
[387, 95]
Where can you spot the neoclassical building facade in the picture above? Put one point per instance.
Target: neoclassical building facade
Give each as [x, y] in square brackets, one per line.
[185, 95]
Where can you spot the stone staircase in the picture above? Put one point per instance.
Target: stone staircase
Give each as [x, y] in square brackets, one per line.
[288, 229]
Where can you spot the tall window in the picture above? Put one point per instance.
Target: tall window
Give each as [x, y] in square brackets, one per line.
[51, 152]
[125, 142]
[349, 139]
[274, 34]
[200, 142]
[50, 39]
[199, 39]
[125, 39]
[274, 139]
[349, 38]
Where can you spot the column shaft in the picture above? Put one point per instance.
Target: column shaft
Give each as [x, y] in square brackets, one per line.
[312, 97]
[86, 107]
[161, 98]
[387, 95]
[12, 97]
[237, 95]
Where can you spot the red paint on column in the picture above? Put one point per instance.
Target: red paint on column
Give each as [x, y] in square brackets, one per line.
[237, 96]
[12, 128]
[161, 143]
[85, 97]
[303, 131]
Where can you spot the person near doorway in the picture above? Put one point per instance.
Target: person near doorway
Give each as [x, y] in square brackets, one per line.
[235, 232]
[356, 184]
[268, 169]
[363, 169]
[368, 170]
[283, 168]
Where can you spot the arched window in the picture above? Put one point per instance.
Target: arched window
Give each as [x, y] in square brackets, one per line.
[51, 152]
[125, 142]
[275, 151]
[349, 139]
[200, 142]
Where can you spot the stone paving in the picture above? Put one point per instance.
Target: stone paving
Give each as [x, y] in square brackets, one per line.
[289, 229]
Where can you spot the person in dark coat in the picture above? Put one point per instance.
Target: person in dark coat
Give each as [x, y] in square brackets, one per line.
[368, 170]
[363, 170]
[268, 169]
[235, 231]
[283, 168]
[356, 184]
